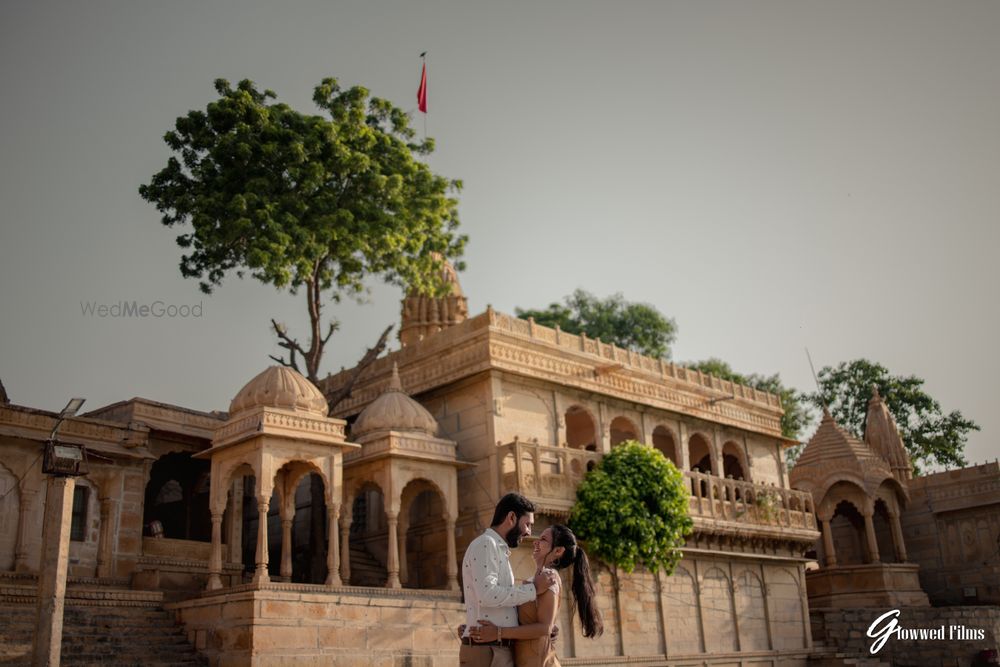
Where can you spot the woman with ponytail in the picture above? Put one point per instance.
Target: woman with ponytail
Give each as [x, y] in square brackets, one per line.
[555, 549]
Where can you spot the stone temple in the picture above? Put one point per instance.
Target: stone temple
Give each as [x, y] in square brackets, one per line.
[277, 534]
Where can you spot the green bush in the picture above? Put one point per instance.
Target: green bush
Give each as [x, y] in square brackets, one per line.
[632, 509]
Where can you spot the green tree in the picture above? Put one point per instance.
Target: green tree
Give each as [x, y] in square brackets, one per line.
[636, 326]
[794, 402]
[930, 436]
[306, 202]
[632, 509]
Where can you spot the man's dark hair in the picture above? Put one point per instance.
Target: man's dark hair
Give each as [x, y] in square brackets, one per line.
[512, 502]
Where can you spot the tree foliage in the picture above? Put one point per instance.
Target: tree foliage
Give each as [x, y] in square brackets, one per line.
[303, 201]
[632, 509]
[636, 326]
[794, 402]
[930, 436]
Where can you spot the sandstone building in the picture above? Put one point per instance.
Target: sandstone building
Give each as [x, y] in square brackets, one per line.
[277, 534]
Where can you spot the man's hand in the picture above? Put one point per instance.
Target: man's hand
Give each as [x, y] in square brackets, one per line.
[543, 581]
[484, 632]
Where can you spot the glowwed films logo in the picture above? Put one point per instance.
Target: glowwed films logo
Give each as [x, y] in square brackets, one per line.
[887, 625]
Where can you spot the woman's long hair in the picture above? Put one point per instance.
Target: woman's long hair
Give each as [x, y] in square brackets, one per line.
[583, 584]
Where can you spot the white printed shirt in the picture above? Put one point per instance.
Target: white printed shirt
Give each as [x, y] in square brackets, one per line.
[490, 592]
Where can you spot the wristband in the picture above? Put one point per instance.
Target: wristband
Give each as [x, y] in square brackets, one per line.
[498, 633]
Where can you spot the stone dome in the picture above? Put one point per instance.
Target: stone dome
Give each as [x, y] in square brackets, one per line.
[395, 411]
[280, 387]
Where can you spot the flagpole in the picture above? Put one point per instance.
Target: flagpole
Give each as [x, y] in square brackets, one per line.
[422, 91]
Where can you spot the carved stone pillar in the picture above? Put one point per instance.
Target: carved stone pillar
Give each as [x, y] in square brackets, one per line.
[333, 546]
[260, 575]
[452, 562]
[345, 548]
[870, 538]
[392, 558]
[828, 549]
[26, 513]
[234, 532]
[105, 544]
[215, 558]
[286, 548]
[401, 529]
[897, 537]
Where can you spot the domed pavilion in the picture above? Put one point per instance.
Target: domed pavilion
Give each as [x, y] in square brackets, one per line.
[278, 432]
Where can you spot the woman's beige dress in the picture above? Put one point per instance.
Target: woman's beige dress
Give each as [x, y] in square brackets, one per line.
[539, 652]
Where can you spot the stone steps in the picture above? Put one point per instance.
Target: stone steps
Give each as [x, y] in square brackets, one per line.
[365, 568]
[100, 628]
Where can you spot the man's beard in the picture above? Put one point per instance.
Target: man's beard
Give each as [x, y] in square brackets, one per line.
[513, 537]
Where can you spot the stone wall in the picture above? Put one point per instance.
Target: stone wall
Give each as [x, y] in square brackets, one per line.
[709, 607]
[312, 625]
[846, 629]
[952, 530]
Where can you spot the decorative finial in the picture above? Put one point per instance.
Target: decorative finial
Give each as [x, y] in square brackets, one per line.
[394, 383]
[826, 413]
[875, 391]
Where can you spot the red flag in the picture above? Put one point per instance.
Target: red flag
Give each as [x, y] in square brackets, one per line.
[422, 90]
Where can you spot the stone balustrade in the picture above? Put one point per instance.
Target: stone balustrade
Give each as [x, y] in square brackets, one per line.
[745, 502]
[550, 475]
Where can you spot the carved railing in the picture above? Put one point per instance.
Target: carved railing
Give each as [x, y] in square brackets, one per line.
[542, 472]
[551, 475]
[745, 502]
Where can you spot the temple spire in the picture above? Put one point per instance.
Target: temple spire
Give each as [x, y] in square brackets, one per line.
[883, 437]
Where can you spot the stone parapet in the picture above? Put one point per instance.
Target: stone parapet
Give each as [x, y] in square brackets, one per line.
[493, 340]
[275, 624]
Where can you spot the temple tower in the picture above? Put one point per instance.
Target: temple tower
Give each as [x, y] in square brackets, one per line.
[424, 315]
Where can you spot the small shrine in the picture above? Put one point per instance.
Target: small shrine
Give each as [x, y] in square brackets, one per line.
[859, 488]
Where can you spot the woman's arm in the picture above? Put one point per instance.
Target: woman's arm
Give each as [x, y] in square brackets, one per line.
[547, 605]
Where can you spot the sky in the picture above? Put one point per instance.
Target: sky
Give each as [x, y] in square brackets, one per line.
[772, 175]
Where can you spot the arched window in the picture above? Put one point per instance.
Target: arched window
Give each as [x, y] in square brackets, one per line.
[663, 440]
[732, 461]
[621, 430]
[581, 432]
[700, 454]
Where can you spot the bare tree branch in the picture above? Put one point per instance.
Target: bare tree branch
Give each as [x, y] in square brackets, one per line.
[289, 344]
[333, 327]
[370, 356]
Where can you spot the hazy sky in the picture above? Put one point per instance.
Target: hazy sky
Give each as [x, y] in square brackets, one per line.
[773, 175]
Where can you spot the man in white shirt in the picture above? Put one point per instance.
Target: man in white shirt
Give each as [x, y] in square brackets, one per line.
[490, 590]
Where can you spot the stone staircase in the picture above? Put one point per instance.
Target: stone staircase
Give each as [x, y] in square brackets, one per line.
[366, 570]
[103, 623]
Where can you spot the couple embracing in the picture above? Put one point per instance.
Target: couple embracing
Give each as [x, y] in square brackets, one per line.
[510, 624]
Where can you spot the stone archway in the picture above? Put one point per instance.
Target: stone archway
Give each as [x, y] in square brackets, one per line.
[177, 496]
[623, 429]
[734, 464]
[368, 537]
[700, 454]
[664, 441]
[848, 532]
[581, 429]
[423, 535]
